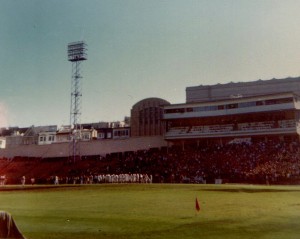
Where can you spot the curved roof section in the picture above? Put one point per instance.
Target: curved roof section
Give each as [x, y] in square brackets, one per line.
[151, 101]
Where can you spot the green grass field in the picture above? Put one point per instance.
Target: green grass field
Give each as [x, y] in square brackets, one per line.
[154, 211]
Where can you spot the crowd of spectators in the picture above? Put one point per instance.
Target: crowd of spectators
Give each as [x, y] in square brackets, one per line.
[271, 162]
[256, 162]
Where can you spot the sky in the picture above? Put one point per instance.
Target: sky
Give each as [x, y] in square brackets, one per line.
[136, 49]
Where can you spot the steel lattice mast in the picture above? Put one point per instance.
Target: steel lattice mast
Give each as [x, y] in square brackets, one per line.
[76, 54]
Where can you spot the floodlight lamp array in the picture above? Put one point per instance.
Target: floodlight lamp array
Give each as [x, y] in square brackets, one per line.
[77, 51]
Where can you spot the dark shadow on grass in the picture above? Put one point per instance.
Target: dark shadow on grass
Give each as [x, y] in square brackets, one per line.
[34, 188]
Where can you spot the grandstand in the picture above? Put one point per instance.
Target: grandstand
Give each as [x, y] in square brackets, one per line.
[229, 136]
[274, 113]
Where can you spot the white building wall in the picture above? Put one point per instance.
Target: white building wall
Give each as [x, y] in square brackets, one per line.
[46, 138]
[2, 143]
[96, 147]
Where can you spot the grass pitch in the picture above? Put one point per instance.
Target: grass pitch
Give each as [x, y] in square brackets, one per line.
[158, 211]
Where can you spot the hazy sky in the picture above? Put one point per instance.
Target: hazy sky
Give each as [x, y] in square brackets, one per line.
[136, 49]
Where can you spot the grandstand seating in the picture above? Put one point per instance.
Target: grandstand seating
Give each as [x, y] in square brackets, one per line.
[237, 162]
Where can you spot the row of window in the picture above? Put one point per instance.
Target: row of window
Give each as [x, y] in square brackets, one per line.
[117, 133]
[231, 106]
[121, 133]
[49, 138]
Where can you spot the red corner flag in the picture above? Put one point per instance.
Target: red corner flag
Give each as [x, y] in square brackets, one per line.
[197, 206]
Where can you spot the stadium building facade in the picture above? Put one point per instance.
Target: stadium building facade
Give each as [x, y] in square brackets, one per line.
[236, 112]
[146, 117]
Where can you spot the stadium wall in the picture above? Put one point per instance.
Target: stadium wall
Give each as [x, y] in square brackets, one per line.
[96, 147]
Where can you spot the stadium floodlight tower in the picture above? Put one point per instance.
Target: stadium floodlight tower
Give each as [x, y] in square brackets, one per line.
[76, 54]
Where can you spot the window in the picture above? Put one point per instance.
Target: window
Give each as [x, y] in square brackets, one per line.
[206, 108]
[101, 135]
[247, 104]
[279, 101]
[86, 136]
[171, 111]
[51, 138]
[42, 138]
[231, 106]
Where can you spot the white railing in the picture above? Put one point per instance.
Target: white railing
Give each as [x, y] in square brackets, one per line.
[229, 128]
[256, 126]
[212, 128]
[287, 123]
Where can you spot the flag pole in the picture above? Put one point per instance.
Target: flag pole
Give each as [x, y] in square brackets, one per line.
[197, 206]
